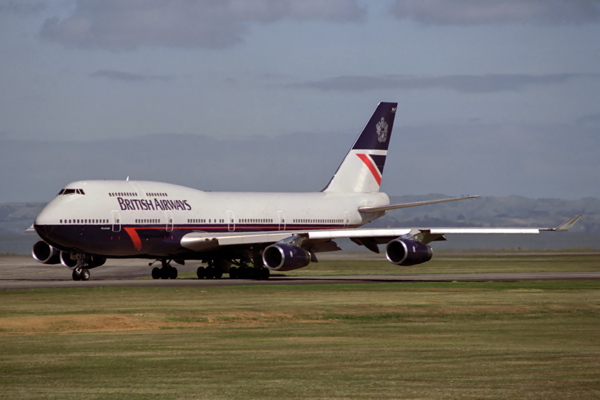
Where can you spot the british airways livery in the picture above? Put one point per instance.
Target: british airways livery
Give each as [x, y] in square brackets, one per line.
[243, 234]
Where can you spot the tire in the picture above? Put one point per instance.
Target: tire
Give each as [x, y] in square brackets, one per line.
[233, 273]
[155, 273]
[164, 273]
[264, 273]
[85, 274]
[172, 273]
[76, 274]
[201, 272]
[210, 272]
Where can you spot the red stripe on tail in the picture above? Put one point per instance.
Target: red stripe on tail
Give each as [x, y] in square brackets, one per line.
[369, 163]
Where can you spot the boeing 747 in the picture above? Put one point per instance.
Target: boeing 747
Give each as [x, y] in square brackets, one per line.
[246, 235]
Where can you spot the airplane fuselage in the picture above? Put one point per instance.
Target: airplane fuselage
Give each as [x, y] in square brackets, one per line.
[148, 219]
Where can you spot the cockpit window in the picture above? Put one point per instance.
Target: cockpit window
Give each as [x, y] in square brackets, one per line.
[65, 192]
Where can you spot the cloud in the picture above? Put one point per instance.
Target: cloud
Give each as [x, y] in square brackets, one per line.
[126, 25]
[474, 12]
[461, 83]
[127, 76]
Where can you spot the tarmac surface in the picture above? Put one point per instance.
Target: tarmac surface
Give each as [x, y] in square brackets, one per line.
[25, 273]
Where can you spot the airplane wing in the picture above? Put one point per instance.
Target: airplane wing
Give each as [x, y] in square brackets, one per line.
[322, 240]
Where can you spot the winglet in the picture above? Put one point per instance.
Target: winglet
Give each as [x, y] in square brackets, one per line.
[565, 226]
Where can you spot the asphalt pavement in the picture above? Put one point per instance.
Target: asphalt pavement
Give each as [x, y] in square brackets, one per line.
[17, 272]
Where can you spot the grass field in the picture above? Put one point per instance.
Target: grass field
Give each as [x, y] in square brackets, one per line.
[533, 340]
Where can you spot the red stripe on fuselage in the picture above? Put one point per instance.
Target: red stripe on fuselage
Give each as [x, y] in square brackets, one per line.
[369, 163]
[135, 238]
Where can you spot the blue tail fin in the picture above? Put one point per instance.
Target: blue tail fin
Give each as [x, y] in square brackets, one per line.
[362, 168]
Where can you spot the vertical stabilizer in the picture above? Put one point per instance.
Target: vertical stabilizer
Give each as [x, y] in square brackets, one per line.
[362, 169]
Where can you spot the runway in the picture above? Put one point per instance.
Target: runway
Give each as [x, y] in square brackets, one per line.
[25, 273]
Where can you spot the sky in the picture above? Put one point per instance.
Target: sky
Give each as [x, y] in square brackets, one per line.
[494, 97]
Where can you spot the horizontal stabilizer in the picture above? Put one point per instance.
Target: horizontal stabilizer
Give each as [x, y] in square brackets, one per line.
[407, 205]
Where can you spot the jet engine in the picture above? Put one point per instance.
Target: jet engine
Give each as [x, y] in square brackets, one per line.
[45, 253]
[95, 261]
[407, 252]
[66, 260]
[285, 257]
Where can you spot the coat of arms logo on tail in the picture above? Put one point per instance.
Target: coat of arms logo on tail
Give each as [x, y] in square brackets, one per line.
[382, 130]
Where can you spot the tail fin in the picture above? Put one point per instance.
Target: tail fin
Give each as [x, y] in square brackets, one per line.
[361, 170]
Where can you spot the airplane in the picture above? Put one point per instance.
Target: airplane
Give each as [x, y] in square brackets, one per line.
[246, 235]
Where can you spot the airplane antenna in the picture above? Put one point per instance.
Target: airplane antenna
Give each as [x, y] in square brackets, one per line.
[127, 179]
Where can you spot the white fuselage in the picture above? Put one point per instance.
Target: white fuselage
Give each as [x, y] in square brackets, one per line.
[127, 218]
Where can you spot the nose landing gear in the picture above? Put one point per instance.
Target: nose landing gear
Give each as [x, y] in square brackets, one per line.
[81, 274]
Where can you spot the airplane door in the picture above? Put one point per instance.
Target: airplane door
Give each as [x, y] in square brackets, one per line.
[116, 221]
[230, 221]
[346, 219]
[281, 215]
[169, 216]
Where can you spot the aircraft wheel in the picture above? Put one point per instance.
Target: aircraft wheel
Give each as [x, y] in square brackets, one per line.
[85, 274]
[155, 273]
[164, 273]
[233, 273]
[172, 273]
[77, 274]
[264, 273]
[210, 272]
[201, 272]
[217, 274]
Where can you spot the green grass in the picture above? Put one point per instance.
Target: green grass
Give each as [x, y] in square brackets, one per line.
[493, 340]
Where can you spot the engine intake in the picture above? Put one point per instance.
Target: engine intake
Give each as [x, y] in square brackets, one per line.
[66, 260]
[45, 253]
[285, 257]
[95, 261]
[407, 252]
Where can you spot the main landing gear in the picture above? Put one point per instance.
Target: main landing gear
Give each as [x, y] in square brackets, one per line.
[165, 272]
[246, 272]
[240, 270]
[215, 270]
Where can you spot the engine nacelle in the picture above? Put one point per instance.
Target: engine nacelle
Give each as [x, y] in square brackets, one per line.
[407, 252]
[285, 257]
[66, 260]
[45, 253]
[95, 261]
